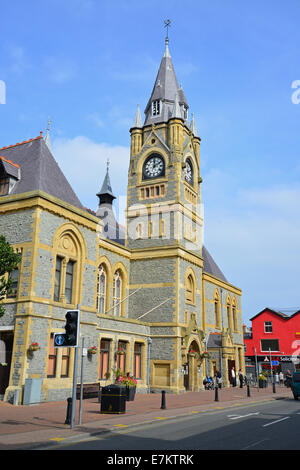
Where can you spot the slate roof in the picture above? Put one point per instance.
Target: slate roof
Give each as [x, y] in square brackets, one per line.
[39, 171]
[210, 266]
[214, 340]
[165, 89]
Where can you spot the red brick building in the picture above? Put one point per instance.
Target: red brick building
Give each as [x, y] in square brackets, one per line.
[276, 336]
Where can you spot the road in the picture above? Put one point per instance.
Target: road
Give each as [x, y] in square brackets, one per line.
[270, 425]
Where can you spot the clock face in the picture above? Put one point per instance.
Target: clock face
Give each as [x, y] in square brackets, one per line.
[153, 167]
[189, 172]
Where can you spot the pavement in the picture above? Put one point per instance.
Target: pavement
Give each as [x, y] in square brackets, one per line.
[42, 426]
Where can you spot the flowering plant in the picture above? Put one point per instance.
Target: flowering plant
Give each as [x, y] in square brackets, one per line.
[192, 351]
[34, 347]
[92, 350]
[129, 381]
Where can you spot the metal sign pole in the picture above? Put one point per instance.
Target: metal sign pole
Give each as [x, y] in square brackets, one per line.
[75, 379]
[81, 382]
[256, 369]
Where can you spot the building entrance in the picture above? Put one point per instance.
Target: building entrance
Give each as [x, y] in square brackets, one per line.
[6, 344]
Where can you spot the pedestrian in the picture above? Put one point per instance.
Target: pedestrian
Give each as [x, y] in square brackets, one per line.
[288, 378]
[241, 378]
[233, 377]
[276, 378]
[218, 377]
[281, 378]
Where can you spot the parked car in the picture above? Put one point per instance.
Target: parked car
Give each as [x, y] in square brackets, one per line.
[295, 385]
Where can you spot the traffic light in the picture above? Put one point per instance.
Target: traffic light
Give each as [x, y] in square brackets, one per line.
[71, 336]
[72, 328]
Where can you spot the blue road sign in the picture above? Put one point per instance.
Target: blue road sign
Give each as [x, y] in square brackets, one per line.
[275, 363]
[59, 340]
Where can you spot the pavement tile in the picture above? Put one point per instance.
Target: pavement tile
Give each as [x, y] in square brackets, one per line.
[30, 426]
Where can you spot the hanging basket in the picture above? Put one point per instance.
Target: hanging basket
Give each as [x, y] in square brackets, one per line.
[205, 355]
[92, 350]
[34, 347]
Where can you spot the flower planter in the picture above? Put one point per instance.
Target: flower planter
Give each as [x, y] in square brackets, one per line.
[130, 393]
[262, 383]
[92, 351]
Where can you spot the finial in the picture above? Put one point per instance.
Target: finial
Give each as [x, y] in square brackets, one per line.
[47, 137]
[107, 165]
[167, 25]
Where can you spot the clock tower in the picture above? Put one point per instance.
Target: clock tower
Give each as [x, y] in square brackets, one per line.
[164, 226]
[164, 183]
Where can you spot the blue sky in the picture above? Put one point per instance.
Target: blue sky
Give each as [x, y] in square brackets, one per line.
[88, 63]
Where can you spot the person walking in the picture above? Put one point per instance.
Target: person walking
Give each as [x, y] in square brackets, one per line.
[218, 378]
[276, 378]
[233, 377]
[241, 378]
[288, 378]
[281, 378]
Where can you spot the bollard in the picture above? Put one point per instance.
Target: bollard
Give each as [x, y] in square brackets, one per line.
[163, 400]
[248, 390]
[216, 393]
[274, 389]
[69, 411]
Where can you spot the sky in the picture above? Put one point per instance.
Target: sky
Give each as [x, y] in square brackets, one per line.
[86, 64]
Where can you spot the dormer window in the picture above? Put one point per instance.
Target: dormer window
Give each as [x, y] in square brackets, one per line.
[9, 175]
[4, 185]
[156, 108]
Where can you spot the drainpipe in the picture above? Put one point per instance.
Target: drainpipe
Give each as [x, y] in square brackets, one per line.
[149, 340]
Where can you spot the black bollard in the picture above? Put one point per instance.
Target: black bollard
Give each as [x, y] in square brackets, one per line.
[163, 400]
[216, 393]
[69, 411]
[248, 391]
[274, 389]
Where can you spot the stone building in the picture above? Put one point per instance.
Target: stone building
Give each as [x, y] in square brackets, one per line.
[152, 299]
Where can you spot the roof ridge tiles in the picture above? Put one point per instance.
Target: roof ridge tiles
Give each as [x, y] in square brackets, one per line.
[9, 161]
[24, 142]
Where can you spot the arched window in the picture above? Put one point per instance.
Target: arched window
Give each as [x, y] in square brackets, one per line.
[229, 319]
[217, 309]
[190, 289]
[234, 315]
[117, 293]
[101, 289]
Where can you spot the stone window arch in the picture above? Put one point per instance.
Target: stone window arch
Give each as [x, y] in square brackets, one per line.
[217, 309]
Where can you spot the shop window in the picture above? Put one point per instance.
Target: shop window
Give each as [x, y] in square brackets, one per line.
[121, 356]
[52, 359]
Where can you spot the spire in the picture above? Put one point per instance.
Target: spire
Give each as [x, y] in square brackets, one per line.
[161, 103]
[138, 119]
[193, 126]
[47, 137]
[105, 194]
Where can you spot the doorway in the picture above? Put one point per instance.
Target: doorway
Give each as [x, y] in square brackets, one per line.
[6, 345]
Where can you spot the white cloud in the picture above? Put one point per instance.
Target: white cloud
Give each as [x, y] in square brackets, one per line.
[84, 165]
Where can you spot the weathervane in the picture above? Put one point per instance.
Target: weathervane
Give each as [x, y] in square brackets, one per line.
[167, 25]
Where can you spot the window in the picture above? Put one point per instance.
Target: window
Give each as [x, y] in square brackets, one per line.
[269, 344]
[69, 282]
[216, 313]
[268, 327]
[156, 108]
[117, 293]
[14, 275]
[52, 359]
[137, 361]
[57, 279]
[65, 362]
[121, 356]
[104, 359]
[4, 186]
[234, 316]
[68, 288]
[101, 289]
[229, 324]
[190, 289]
